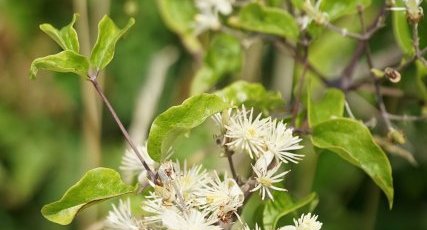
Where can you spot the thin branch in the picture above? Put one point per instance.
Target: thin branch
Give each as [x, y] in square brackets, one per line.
[377, 82]
[347, 73]
[98, 88]
[416, 43]
[281, 44]
[297, 101]
[405, 117]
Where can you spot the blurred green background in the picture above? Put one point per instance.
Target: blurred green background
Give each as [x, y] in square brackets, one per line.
[43, 149]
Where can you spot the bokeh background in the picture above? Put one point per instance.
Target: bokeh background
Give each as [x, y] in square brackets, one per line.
[49, 137]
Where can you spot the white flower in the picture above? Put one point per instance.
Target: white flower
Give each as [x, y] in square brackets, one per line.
[206, 21]
[220, 197]
[305, 222]
[121, 218]
[131, 165]
[224, 7]
[190, 181]
[281, 141]
[190, 220]
[314, 13]
[208, 16]
[247, 134]
[265, 180]
[222, 119]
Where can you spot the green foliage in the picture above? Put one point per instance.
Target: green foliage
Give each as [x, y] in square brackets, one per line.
[252, 95]
[223, 57]
[353, 142]
[270, 20]
[66, 37]
[339, 8]
[180, 119]
[283, 205]
[96, 185]
[69, 60]
[66, 62]
[179, 17]
[402, 33]
[108, 35]
[329, 107]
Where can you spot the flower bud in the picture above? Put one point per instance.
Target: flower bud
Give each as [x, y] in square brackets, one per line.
[392, 75]
[396, 136]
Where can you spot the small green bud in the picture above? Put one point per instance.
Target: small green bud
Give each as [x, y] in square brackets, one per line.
[396, 136]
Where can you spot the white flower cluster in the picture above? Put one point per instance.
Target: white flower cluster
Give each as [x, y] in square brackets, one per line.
[208, 15]
[266, 140]
[183, 199]
[305, 222]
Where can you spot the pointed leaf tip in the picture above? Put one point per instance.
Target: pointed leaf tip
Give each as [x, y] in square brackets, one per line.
[108, 35]
[96, 185]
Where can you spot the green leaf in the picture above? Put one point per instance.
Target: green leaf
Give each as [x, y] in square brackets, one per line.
[96, 185]
[66, 62]
[180, 119]
[402, 33]
[252, 95]
[284, 205]
[353, 142]
[108, 35]
[270, 20]
[329, 107]
[339, 8]
[66, 37]
[223, 57]
[179, 17]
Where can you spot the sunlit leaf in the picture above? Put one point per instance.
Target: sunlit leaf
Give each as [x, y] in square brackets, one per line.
[66, 62]
[284, 205]
[108, 35]
[96, 185]
[270, 20]
[353, 142]
[66, 37]
[180, 119]
[252, 95]
[179, 17]
[223, 57]
[329, 107]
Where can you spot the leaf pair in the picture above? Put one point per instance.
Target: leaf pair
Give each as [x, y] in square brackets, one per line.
[70, 60]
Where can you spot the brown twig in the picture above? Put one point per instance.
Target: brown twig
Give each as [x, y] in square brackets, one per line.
[98, 88]
[300, 85]
[377, 82]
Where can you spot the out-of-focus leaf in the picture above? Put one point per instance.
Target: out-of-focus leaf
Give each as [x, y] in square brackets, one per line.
[401, 31]
[96, 185]
[180, 119]
[329, 107]
[66, 62]
[66, 37]
[270, 20]
[224, 56]
[108, 35]
[339, 8]
[179, 17]
[252, 95]
[353, 142]
[282, 206]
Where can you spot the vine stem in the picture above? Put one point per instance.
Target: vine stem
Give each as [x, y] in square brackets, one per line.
[377, 82]
[99, 90]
